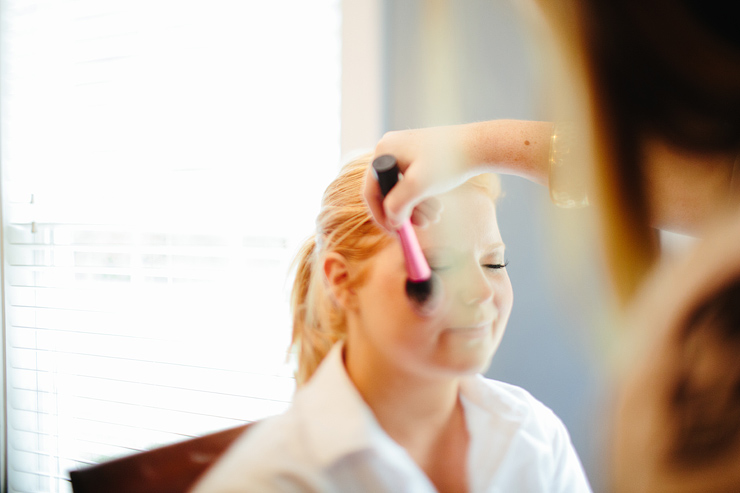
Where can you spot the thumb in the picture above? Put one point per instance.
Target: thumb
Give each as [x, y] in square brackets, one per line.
[374, 200]
[401, 200]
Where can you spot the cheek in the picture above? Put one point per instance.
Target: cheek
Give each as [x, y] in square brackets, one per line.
[503, 294]
[388, 317]
[383, 299]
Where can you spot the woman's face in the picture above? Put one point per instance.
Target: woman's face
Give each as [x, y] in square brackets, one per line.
[466, 251]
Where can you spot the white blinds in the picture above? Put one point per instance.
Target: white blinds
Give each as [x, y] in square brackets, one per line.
[161, 160]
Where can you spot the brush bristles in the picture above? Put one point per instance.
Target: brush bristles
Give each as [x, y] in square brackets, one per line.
[419, 291]
[424, 295]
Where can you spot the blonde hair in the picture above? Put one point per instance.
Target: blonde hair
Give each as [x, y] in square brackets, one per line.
[345, 226]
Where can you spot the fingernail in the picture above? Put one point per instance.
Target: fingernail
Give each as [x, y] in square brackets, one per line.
[394, 222]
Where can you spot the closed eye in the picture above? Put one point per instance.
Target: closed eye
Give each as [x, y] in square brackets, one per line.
[496, 266]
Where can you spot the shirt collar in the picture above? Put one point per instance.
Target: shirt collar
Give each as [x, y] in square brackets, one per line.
[340, 421]
[476, 393]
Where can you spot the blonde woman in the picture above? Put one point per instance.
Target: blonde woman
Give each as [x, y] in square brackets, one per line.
[388, 400]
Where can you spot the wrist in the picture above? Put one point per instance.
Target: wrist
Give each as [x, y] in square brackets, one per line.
[567, 177]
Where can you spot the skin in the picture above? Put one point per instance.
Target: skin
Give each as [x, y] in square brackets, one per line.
[685, 190]
[408, 368]
[435, 160]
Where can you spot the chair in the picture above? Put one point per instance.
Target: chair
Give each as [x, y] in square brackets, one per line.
[169, 469]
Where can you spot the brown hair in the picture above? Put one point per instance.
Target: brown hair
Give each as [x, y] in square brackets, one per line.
[704, 397]
[345, 226]
[655, 69]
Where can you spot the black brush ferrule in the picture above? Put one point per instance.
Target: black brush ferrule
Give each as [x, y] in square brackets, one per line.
[386, 171]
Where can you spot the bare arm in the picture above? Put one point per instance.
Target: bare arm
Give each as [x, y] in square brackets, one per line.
[438, 159]
[684, 190]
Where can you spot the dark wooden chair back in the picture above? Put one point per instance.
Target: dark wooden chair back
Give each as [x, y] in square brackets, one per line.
[170, 469]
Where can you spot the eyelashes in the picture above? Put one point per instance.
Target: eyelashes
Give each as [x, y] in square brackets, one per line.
[497, 266]
[444, 268]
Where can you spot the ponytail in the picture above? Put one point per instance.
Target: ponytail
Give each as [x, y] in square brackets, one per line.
[313, 312]
[344, 226]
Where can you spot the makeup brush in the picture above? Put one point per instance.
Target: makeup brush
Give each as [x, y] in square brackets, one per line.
[422, 287]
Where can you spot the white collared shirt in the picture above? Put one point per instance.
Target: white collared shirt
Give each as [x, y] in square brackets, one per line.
[329, 441]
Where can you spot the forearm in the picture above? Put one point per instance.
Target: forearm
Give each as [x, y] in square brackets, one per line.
[684, 190]
[514, 147]
[434, 160]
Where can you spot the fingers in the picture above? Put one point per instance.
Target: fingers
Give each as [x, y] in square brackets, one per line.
[422, 214]
[427, 212]
[374, 199]
[427, 160]
[412, 191]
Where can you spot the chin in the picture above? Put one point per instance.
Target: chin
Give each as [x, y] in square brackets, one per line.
[469, 364]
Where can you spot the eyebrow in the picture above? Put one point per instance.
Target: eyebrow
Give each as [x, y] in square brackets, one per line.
[436, 250]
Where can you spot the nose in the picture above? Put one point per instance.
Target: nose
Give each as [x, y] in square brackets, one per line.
[476, 288]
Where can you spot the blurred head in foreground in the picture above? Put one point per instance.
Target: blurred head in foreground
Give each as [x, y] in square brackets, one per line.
[662, 78]
[678, 425]
[657, 77]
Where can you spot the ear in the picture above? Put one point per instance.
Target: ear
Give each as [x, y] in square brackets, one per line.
[337, 275]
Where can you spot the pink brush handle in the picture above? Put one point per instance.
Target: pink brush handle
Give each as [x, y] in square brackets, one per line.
[416, 264]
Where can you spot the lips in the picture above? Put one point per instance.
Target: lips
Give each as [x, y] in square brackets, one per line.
[471, 318]
[475, 329]
[473, 324]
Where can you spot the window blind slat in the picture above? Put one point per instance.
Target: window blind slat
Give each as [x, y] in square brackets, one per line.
[31, 358]
[93, 435]
[41, 444]
[96, 430]
[168, 398]
[217, 381]
[128, 415]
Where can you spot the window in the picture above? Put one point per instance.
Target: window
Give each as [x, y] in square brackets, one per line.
[161, 162]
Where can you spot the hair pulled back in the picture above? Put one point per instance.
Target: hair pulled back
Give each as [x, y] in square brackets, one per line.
[345, 226]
